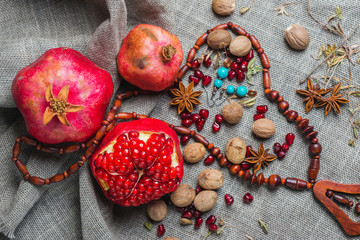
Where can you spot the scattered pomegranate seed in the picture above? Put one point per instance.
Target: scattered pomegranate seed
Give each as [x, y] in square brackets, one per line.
[229, 199]
[199, 74]
[210, 220]
[195, 117]
[258, 116]
[198, 189]
[181, 209]
[245, 165]
[281, 155]
[184, 139]
[231, 75]
[277, 147]
[194, 79]
[239, 60]
[219, 118]
[248, 153]
[206, 80]
[243, 66]
[198, 222]
[240, 76]
[262, 109]
[195, 64]
[234, 66]
[187, 214]
[197, 213]
[290, 138]
[161, 230]
[213, 227]
[204, 113]
[207, 61]
[250, 55]
[200, 124]
[191, 206]
[215, 127]
[185, 115]
[285, 147]
[209, 160]
[248, 198]
[228, 53]
[186, 122]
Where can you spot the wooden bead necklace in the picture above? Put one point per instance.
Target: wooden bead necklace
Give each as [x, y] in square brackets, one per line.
[323, 189]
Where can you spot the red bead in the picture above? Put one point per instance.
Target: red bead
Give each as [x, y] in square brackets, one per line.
[234, 66]
[195, 117]
[187, 214]
[250, 55]
[185, 115]
[240, 76]
[262, 109]
[283, 106]
[285, 147]
[290, 138]
[315, 140]
[245, 165]
[281, 155]
[248, 153]
[229, 199]
[248, 198]
[198, 222]
[195, 64]
[273, 95]
[206, 80]
[186, 122]
[199, 74]
[209, 160]
[239, 60]
[194, 79]
[258, 116]
[210, 220]
[243, 66]
[204, 113]
[213, 227]
[207, 62]
[200, 124]
[161, 230]
[184, 139]
[219, 118]
[215, 127]
[277, 147]
[231, 75]
[291, 116]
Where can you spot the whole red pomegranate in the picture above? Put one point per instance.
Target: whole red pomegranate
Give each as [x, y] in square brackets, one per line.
[138, 161]
[150, 57]
[62, 96]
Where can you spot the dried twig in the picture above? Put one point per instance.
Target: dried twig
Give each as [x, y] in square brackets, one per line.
[245, 9]
[281, 8]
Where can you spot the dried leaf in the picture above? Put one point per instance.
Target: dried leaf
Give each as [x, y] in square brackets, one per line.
[244, 10]
[148, 225]
[320, 53]
[352, 143]
[356, 134]
[263, 226]
[251, 63]
[338, 12]
[248, 102]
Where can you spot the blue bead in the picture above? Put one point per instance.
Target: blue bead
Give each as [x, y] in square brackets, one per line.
[222, 72]
[218, 83]
[230, 90]
[241, 91]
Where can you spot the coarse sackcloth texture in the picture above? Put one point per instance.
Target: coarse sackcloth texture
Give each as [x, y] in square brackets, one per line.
[76, 207]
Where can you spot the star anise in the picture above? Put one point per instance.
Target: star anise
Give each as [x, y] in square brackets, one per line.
[185, 97]
[333, 101]
[313, 93]
[261, 158]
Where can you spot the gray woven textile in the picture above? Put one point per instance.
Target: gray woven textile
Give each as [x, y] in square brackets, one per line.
[76, 208]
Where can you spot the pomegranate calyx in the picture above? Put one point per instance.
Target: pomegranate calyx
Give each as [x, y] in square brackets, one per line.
[59, 106]
[168, 52]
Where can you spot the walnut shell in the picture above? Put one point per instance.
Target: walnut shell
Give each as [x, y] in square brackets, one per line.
[263, 128]
[211, 179]
[183, 196]
[235, 150]
[297, 37]
[194, 152]
[240, 46]
[157, 210]
[233, 112]
[205, 200]
[219, 39]
[223, 7]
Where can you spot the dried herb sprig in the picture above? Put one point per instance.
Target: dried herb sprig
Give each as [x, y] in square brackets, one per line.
[263, 226]
[245, 9]
[252, 70]
[281, 8]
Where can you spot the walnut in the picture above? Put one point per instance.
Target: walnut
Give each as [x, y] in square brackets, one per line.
[194, 152]
[211, 179]
[219, 39]
[223, 7]
[297, 37]
[205, 200]
[233, 112]
[183, 195]
[240, 46]
[157, 210]
[263, 128]
[235, 150]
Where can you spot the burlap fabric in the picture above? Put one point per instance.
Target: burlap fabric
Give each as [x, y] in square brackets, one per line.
[76, 208]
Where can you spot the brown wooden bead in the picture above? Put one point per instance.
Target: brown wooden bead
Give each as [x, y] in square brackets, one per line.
[47, 181]
[109, 117]
[296, 184]
[220, 156]
[314, 168]
[315, 149]
[314, 140]
[66, 175]
[357, 208]
[38, 146]
[229, 24]
[256, 44]
[221, 26]
[223, 162]
[188, 65]
[298, 119]
[21, 166]
[343, 200]
[182, 130]
[238, 30]
[36, 180]
[247, 175]
[286, 112]
[303, 124]
[57, 178]
[283, 181]
[253, 179]
[265, 60]
[247, 35]
[260, 179]
[309, 185]
[241, 173]
[280, 99]
[26, 177]
[191, 55]
[201, 40]
[260, 51]
[111, 125]
[307, 130]
[49, 149]
[196, 47]
[311, 135]
[267, 91]
[273, 95]
[283, 106]
[117, 104]
[266, 180]
[192, 133]
[229, 165]
[210, 146]
[234, 169]
[124, 116]
[215, 151]
[73, 168]
[291, 116]
[266, 80]
[81, 163]
[28, 141]
[100, 133]
[16, 150]
[182, 71]
[329, 193]
[90, 151]
[274, 181]
[71, 149]
[201, 139]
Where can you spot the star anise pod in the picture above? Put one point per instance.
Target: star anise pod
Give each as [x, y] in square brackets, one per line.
[313, 93]
[185, 97]
[260, 158]
[333, 101]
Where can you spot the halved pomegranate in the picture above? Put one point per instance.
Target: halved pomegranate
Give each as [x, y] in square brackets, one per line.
[138, 161]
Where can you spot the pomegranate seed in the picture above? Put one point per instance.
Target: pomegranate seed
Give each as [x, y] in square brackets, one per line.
[187, 214]
[186, 122]
[240, 76]
[184, 139]
[161, 230]
[181, 209]
[248, 198]
[239, 60]
[248, 153]
[234, 66]
[262, 109]
[198, 222]
[245, 165]
[204, 113]
[243, 66]
[277, 147]
[231, 75]
[209, 160]
[206, 80]
[290, 138]
[195, 116]
[258, 116]
[250, 55]
[285, 147]
[281, 155]
[210, 220]
[228, 53]
[195, 64]
[194, 79]
[198, 189]
[215, 127]
[199, 74]
[213, 227]
[229, 199]
[185, 115]
[197, 213]
[219, 118]
[191, 206]
[200, 124]
[207, 61]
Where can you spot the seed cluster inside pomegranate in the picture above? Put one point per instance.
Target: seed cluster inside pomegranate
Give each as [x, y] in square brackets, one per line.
[138, 167]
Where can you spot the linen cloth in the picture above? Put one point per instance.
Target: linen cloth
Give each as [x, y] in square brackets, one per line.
[76, 207]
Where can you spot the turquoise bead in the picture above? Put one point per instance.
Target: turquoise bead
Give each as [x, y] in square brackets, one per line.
[241, 91]
[222, 72]
[230, 90]
[218, 83]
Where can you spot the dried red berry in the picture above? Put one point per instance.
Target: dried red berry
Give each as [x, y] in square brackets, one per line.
[245, 165]
[219, 118]
[161, 230]
[243, 66]
[186, 122]
[198, 222]
[207, 61]
[229, 199]
[187, 214]
[184, 139]
[248, 198]
[262, 109]
[200, 124]
[290, 137]
[206, 80]
[195, 117]
[198, 189]
[250, 55]
[248, 153]
[210, 220]
[215, 127]
[213, 227]
[240, 76]
[258, 116]
[285, 147]
[234, 66]
[185, 115]
[277, 147]
[194, 79]
[197, 213]
[209, 160]
[199, 74]
[231, 75]
[281, 155]
[204, 113]
[195, 64]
